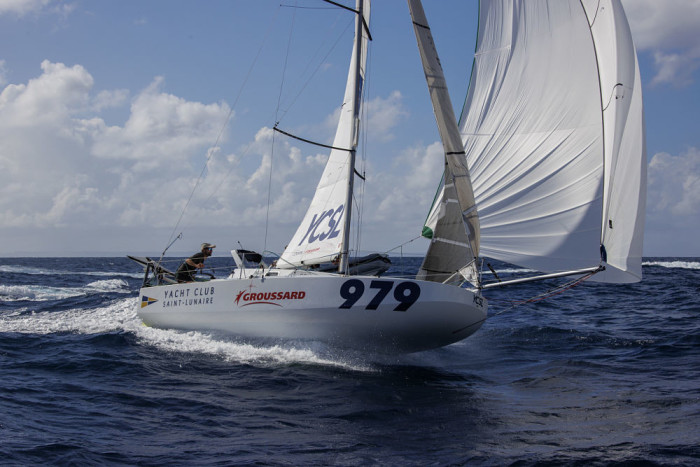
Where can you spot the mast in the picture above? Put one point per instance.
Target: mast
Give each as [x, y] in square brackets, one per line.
[355, 102]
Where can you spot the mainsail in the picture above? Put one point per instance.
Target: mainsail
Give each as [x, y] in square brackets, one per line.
[455, 225]
[554, 136]
[323, 232]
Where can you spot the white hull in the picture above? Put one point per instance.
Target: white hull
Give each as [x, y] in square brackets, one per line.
[378, 314]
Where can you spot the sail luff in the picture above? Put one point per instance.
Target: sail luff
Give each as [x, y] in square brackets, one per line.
[457, 181]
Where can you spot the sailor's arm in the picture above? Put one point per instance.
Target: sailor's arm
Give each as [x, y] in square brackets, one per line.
[193, 264]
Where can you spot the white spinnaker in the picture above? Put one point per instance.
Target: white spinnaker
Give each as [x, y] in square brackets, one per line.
[624, 198]
[320, 235]
[532, 130]
[455, 236]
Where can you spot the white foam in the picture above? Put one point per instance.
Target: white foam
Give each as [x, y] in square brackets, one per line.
[121, 316]
[42, 293]
[17, 269]
[111, 318]
[674, 264]
[39, 293]
[109, 285]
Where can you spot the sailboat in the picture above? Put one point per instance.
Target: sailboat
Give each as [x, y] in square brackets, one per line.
[545, 169]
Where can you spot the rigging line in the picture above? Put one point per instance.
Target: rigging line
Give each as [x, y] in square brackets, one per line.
[437, 193]
[286, 62]
[225, 177]
[364, 121]
[318, 67]
[364, 23]
[358, 206]
[272, 149]
[167, 248]
[551, 293]
[327, 146]
[612, 94]
[282, 5]
[595, 17]
[403, 244]
[340, 5]
[269, 191]
[223, 127]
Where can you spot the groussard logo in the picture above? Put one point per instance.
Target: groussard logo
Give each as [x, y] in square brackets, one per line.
[245, 298]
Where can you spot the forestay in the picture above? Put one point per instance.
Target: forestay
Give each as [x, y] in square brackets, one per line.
[555, 176]
[321, 235]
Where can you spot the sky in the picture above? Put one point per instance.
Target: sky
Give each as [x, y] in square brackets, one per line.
[126, 123]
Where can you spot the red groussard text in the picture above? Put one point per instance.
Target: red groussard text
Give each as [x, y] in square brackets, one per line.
[248, 298]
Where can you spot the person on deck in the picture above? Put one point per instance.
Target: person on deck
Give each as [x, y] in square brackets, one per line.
[185, 273]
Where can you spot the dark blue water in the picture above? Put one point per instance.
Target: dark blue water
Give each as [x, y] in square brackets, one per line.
[598, 375]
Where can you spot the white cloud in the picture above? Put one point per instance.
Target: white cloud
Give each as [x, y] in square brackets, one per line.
[675, 68]
[52, 98]
[398, 200]
[21, 7]
[162, 130]
[61, 164]
[39, 151]
[673, 204]
[3, 73]
[382, 115]
[667, 29]
[63, 167]
[674, 186]
[109, 99]
[385, 114]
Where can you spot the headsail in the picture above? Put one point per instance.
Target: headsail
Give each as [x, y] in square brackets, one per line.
[550, 167]
[322, 234]
[455, 224]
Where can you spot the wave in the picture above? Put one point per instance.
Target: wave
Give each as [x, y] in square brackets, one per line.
[674, 264]
[16, 269]
[109, 285]
[121, 316]
[42, 293]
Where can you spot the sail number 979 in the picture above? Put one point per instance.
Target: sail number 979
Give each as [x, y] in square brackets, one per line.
[406, 293]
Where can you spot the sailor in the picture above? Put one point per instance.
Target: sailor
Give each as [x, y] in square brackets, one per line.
[185, 273]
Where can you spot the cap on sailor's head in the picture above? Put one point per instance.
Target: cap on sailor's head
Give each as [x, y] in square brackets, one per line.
[207, 245]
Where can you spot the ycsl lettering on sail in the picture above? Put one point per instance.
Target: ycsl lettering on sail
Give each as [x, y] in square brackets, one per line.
[328, 221]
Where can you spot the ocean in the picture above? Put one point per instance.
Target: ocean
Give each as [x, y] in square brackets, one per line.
[596, 375]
